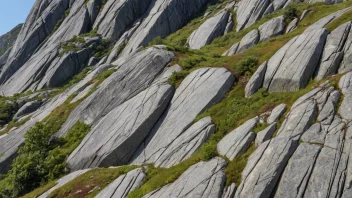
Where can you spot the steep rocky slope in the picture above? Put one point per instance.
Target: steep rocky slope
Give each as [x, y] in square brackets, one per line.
[175, 98]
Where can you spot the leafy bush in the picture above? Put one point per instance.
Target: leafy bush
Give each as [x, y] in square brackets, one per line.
[247, 66]
[7, 110]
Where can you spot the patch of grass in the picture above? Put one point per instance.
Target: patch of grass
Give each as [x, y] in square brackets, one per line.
[177, 77]
[39, 191]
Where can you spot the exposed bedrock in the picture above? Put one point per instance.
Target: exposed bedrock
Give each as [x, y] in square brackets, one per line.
[272, 28]
[248, 12]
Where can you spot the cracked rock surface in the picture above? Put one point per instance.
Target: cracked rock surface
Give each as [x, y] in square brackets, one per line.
[272, 28]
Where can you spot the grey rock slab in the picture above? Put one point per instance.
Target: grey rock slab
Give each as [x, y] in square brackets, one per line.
[202, 180]
[229, 191]
[162, 18]
[64, 180]
[124, 184]
[265, 134]
[278, 4]
[304, 14]
[212, 28]
[248, 12]
[315, 134]
[232, 50]
[264, 168]
[269, 9]
[347, 55]
[237, 141]
[276, 113]
[272, 28]
[132, 77]
[83, 93]
[326, 115]
[229, 25]
[297, 172]
[256, 80]
[298, 120]
[187, 144]
[4, 57]
[198, 91]
[93, 61]
[294, 64]
[248, 41]
[167, 73]
[345, 83]
[28, 108]
[333, 51]
[292, 25]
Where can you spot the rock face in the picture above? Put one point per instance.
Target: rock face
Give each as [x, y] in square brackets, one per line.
[347, 57]
[248, 41]
[333, 51]
[198, 91]
[265, 134]
[212, 28]
[256, 81]
[8, 39]
[272, 28]
[276, 113]
[345, 84]
[202, 180]
[229, 192]
[123, 185]
[249, 12]
[29, 107]
[135, 75]
[264, 167]
[238, 141]
[293, 25]
[294, 64]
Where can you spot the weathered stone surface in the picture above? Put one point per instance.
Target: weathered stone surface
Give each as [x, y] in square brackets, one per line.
[202, 180]
[64, 180]
[272, 28]
[265, 134]
[248, 12]
[298, 120]
[294, 64]
[124, 184]
[116, 16]
[163, 18]
[276, 113]
[83, 93]
[229, 25]
[132, 77]
[29, 107]
[256, 81]
[248, 41]
[187, 144]
[264, 167]
[347, 55]
[4, 57]
[327, 113]
[304, 14]
[292, 26]
[345, 85]
[297, 172]
[212, 28]
[333, 51]
[197, 92]
[232, 50]
[229, 192]
[315, 134]
[278, 4]
[237, 141]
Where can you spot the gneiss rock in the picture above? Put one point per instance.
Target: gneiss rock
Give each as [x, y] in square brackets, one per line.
[294, 180]
[333, 51]
[132, 77]
[202, 180]
[248, 12]
[117, 135]
[347, 57]
[327, 113]
[232, 50]
[229, 192]
[29, 107]
[315, 134]
[265, 134]
[212, 28]
[124, 184]
[292, 26]
[272, 28]
[256, 81]
[345, 84]
[198, 91]
[248, 41]
[276, 113]
[64, 180]
[237, 141]
[264, 167]
[294, 64]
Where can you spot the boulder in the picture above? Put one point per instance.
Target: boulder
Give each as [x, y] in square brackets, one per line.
[212, 28]
[248, 41]
[333, 51]
[265, 134]
[276, 113]
[124, 184]
[237, 141]
[202, 180]
[272, 28]
[294, 180]
[294, 64]
[248, 12]
[198, 91]
[264, 167]
[256, 80]
[229, 191]
[292, 25]
[28, 108]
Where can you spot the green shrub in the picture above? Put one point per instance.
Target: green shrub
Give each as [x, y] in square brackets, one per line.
[290, 12]
[192, 61]
[7, 110]
[247, 66]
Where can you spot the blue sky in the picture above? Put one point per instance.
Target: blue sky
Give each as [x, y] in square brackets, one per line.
[12, 13]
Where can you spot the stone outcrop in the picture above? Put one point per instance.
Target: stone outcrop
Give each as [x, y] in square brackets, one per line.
[203, 180]
[347, 55]
[229, 191]
[27, 108]
[272, 28]
[345, 84]
[197, 92]
[124, 184]
[237, 141]
[248, 41]
[248, 12]
[256, 81]
[212, 28]
[265, 134]
[276, 113]
[292, 25]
